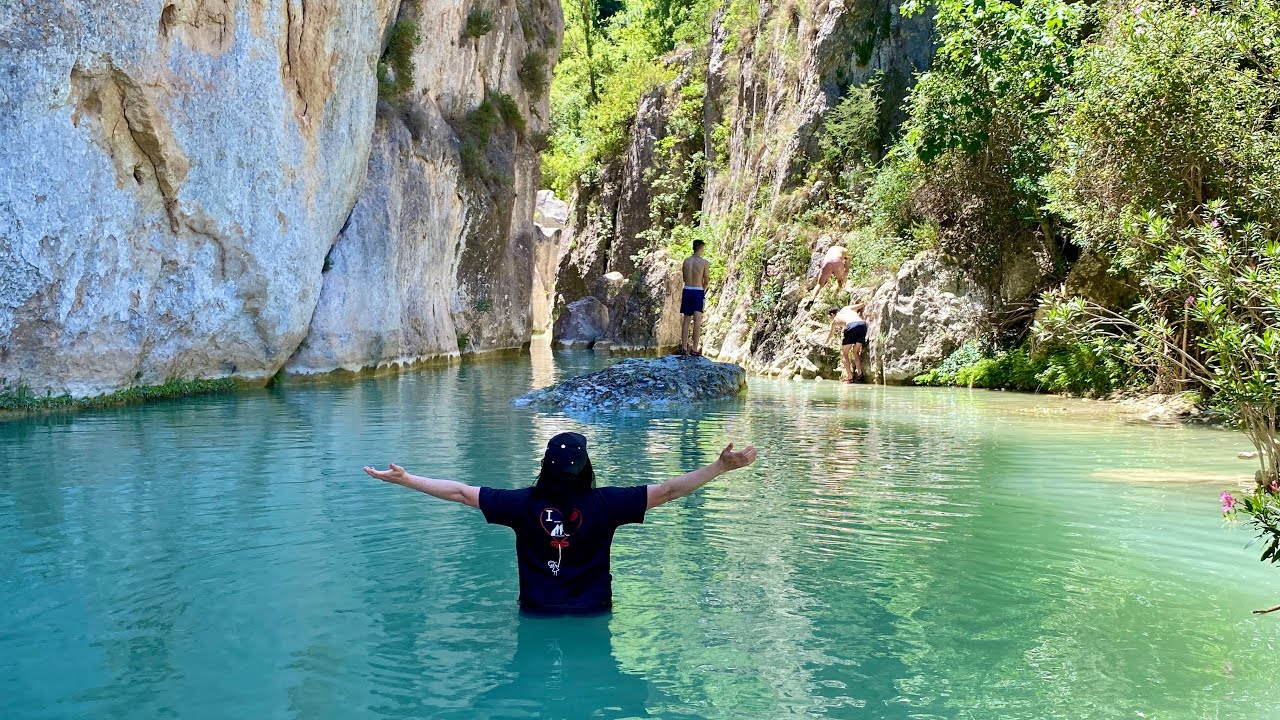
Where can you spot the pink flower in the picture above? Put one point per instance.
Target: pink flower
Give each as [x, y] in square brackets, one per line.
[1228, 502]
[1191, 299]
[1193, 12]
[1275, 486]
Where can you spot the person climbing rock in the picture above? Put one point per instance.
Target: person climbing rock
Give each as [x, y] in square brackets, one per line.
[564, 524]
[697, 273]
[848, 321]
[834, 265]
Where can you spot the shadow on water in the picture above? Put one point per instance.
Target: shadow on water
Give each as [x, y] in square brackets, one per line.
[563, 669]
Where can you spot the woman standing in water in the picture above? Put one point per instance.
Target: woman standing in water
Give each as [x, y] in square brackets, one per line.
[564, 524]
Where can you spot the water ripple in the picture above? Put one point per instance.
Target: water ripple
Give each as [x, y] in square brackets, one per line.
[895, 553]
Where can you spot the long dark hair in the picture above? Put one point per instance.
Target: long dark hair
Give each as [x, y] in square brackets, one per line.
[553, 483]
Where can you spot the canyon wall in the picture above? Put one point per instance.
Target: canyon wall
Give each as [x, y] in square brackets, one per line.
[213, 188]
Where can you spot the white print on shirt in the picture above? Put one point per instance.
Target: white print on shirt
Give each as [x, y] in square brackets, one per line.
[554, 524]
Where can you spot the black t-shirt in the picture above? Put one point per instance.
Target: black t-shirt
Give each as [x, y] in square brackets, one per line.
[562, 545]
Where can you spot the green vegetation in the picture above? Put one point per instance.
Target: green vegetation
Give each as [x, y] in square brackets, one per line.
[395, 67]
[22, 400]
[1092, 370]
[533, 74]
[475, 129]
[612, 55]
[479, 23]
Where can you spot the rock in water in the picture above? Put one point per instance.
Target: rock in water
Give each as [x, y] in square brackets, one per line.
[639, 383]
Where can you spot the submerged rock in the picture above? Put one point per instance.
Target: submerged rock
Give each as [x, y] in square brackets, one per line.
[638, 383]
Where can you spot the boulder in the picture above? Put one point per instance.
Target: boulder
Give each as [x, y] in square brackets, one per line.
[1092, 279]
[550, 211]
[582, 323]
[638, 383]
[921, 316]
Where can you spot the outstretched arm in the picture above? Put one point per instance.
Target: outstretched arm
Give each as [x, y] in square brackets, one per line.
[678, 487]
[835, 324]
[444, 489]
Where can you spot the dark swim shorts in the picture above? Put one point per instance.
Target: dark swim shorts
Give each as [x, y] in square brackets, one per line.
[855, 333]
[692, 300]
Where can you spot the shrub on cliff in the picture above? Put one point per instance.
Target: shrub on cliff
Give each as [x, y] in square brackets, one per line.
[533, 74]
[479, 23]
[477, 128]
[395, 68]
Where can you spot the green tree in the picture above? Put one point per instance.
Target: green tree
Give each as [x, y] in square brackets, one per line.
[1169, 165]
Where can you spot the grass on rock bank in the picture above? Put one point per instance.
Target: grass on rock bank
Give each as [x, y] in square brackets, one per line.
[22, 401]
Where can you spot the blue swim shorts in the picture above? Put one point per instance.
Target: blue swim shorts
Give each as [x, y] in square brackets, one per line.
[692, 300]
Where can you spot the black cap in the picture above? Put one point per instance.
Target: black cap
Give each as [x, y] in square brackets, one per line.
[566, 453]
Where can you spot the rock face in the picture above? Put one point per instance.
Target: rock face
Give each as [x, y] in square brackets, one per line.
[609, 228]
[640, 383]
[770, 103]
[921, 316]
[195, 186]
[457, 238]
[768, 84]
[550, 216]
[175, 173]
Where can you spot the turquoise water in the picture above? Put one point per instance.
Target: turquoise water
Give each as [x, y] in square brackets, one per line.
[895, 553]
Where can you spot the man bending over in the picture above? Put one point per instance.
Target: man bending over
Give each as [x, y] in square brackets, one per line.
[853, 329]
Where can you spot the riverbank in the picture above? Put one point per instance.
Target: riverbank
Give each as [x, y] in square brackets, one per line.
[21, 402]
[1156, 409]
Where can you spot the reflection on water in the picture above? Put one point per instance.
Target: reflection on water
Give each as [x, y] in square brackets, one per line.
[895, 553]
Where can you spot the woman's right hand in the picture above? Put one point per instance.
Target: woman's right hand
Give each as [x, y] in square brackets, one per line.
[395, 475]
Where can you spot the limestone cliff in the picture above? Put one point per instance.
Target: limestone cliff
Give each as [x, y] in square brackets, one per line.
[194, 187]
[438, 254]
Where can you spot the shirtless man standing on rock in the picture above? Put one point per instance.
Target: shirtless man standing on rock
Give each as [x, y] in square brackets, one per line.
[696, 271]
[853, 329]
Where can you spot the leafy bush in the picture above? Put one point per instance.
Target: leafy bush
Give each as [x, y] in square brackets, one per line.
[851, 130]
[533, 74]
[509, 111]
[395, 67]
[479, 23]
[1089, 369]
[1190, 98]
[477, 127]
